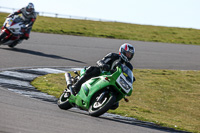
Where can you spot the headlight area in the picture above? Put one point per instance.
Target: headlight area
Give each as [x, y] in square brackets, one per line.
[124, 84]
[12, 29]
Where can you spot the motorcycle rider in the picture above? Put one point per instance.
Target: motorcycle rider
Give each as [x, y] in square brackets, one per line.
[126, 53]
[29, 16]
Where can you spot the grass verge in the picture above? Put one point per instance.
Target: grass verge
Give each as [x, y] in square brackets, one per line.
[166, 97]
[114, 30]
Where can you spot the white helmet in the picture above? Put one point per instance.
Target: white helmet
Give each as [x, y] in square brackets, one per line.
[126, 51]
[30, 8]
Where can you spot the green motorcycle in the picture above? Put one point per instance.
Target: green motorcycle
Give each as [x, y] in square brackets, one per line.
[98, 94]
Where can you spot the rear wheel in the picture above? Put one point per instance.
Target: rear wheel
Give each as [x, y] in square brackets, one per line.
[101, 103]
[13, 44]
[63, 101]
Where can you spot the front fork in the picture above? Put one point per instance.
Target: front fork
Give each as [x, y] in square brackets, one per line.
[5, 34]
[2, 28]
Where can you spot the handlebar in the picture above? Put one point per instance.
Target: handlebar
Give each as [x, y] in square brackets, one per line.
[117, 64]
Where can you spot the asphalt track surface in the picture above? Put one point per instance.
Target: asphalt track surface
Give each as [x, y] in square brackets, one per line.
[19, 114]
[61, 50]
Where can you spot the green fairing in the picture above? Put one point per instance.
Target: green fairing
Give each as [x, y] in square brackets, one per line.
[94, 85]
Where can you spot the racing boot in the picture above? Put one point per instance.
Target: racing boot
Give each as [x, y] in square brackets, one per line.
[90, 72]
[77, 86]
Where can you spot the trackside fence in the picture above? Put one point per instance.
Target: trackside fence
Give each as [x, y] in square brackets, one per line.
[57, 15]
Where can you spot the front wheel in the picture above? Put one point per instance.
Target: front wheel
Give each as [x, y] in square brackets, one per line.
[63, 101]
[102, 103]
[2, 36]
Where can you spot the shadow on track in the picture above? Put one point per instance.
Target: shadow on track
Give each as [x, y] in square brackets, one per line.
[20, 50]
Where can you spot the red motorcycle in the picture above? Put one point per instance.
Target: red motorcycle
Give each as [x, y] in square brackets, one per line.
[13, 28]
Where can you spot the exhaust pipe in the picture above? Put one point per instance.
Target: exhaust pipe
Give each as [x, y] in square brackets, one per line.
[68, 79]
[69, 83]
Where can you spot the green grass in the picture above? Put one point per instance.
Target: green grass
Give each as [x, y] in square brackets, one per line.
[114, 30]
[166, 97]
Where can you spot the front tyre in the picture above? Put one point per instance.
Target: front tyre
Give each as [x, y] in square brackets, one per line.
[101, 104]
[2, 36]
[63, 101]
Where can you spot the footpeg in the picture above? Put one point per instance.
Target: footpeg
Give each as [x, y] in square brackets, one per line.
[72, 90]
[67, 93]
[126, 100]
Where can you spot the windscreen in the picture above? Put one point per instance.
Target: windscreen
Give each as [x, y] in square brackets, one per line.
[127, 73]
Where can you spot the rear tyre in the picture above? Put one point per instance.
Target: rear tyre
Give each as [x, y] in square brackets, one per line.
[63, 101]
[13, 44]
[102, 103]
